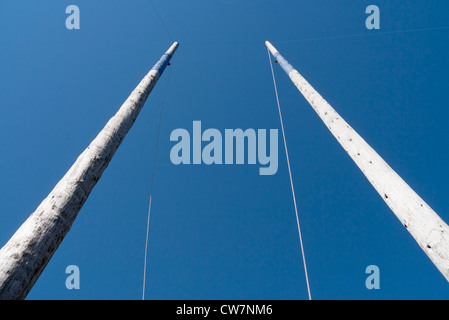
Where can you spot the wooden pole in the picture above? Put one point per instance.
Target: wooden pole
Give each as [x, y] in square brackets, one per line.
[428, 229]
[27, 253]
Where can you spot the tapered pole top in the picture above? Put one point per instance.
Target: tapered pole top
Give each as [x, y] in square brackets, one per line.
[173, 48]
[165, 59]
[282, 62]
[271, 48]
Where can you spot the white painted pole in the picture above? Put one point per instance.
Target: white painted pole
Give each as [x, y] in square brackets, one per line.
[27, 253]
[428, 229]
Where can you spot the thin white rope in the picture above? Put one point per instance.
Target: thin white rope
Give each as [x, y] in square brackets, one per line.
[151, 187]
[162, 21]
[291, 179]
[342, 36]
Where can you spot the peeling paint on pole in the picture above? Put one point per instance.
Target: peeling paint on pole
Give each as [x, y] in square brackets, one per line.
[428, 229]
[27, 253]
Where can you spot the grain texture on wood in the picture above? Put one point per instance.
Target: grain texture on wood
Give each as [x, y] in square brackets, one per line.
[27, 253]
[429, 230]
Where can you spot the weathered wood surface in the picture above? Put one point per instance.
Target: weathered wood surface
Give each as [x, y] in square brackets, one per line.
[27, 253]
[428, 229]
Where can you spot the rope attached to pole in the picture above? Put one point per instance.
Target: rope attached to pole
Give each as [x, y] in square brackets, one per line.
[291, 179]
[151, 186]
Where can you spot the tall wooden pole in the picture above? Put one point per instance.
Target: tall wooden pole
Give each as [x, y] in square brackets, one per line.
[27, 253]
[428, 229]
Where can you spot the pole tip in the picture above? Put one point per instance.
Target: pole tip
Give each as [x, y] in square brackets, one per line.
[173, 48]
[271, 48]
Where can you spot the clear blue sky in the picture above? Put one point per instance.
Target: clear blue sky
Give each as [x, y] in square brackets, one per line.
[224, 232]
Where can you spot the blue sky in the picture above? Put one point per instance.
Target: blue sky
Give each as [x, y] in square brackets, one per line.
[223, 231]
